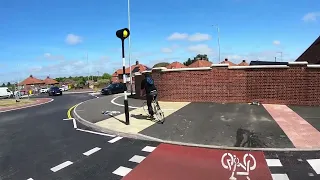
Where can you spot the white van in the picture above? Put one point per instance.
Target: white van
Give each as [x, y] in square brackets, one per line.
[5, 92]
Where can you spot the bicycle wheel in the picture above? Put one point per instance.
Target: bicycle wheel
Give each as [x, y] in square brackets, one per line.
[145, 108]
[159, 115]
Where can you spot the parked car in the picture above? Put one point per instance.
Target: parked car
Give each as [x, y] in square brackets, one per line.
[113, 89]
[54, 91]
[43, 90]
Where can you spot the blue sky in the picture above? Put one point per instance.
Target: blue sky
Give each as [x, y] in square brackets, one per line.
[42, 37]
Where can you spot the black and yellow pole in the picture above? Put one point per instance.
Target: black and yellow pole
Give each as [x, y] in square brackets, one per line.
[123, 34]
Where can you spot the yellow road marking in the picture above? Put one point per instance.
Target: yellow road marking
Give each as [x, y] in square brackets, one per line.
[69, 111]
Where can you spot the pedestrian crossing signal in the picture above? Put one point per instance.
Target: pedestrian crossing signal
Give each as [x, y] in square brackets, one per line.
[123, 33]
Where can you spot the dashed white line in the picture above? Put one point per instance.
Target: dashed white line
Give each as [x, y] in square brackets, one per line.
[30, 179]
[148, 149]
[315, 164]
[122, 171]
[115, 139]
[91, 151]
[102, 134]
[137, 159]
[280, 177]
[61, 166]
[273, 162]
[74, 123]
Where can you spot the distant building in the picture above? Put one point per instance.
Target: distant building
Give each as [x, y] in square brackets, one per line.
[118, 75]
[176, 65]
[200, 63]
[243, 63]
[226, 61]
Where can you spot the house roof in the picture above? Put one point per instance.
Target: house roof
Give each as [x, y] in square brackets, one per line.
[200, 63]
[252, 63]
[31, 80]
[312, 54]
[226, 61]
[243, 63]
[50, 81]
[135, 68]
[175, 65]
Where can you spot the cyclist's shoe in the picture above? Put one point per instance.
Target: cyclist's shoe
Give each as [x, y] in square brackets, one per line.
[151, 117]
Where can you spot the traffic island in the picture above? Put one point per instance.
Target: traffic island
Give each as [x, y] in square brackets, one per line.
[12, 104]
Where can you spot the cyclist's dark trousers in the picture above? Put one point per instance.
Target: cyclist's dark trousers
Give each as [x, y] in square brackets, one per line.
[149, 101]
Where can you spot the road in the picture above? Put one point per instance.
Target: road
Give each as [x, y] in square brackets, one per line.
[36, 144]
[35, 140]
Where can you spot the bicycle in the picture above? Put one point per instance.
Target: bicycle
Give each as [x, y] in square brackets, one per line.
[156, 109]
[247, 138]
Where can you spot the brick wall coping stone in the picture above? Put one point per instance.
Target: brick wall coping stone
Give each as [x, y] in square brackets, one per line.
[313, 65]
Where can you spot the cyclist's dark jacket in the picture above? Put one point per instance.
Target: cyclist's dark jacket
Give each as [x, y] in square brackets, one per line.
[148, 87]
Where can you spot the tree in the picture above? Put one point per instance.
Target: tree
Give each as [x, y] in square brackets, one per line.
[106, 76]
[3, 85]
[8, 84]
[161, 64]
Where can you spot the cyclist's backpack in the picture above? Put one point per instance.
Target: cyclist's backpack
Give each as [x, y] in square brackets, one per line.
[150, 81]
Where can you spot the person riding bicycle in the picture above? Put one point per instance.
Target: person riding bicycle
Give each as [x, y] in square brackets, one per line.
[148, 87]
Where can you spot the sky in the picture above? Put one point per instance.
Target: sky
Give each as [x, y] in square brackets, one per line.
[53, 38]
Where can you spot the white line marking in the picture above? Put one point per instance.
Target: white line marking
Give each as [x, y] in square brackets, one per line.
[74, 123]
[137, 159]
[148, 149]
[122, 171]
[115, 139]
[315, 164]
[68, 119]
[61, 166]
[273, 162]
[117, 104]
[102, 134]
[26, 106]
[280, 177]
[30, 179]
[91, 151]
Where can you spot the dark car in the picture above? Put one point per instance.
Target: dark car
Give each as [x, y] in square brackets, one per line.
[113, 89]
[54, 91]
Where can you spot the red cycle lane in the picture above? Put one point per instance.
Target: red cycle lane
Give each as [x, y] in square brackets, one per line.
[173, 162]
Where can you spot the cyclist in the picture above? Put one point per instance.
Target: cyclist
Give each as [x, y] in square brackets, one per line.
[148, 87]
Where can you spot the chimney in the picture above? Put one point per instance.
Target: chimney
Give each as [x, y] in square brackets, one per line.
[226, 59]
[48, 77]
[31, 76]
[244, 61]
[137, 62]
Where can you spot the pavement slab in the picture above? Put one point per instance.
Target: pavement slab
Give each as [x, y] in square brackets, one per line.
[309, 113]
[138, 118]
[300, 132]
[217, 124]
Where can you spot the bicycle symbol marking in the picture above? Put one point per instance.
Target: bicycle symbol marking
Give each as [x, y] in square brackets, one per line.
[232, 163]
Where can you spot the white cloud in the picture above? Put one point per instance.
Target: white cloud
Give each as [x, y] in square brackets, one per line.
[49, 56]
[193, 38]
[199, 37]
[178, 36]
[73, 39]
[312, 16]
[200, 49]
[276, 42]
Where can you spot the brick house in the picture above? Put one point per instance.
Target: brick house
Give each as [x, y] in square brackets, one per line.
[312, 54]
[226, 61]
[49, 81]
[176, 65]
[243, 63]
[200, 63]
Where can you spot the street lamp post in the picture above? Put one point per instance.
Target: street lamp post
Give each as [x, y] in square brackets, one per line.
[123, 34]
[218, 31]
[129, 41]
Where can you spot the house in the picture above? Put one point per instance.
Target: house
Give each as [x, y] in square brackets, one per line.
[243, 63]
[176, 65]
[118, 75]
[200, 63]
[226, 61]
[312, 54]
[49, 81]
[31, 82]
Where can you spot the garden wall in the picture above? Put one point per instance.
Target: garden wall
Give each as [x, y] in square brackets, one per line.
[295, 84]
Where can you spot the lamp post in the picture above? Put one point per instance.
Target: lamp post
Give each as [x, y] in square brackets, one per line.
[123, 34]
[218, 31]
[129, 41]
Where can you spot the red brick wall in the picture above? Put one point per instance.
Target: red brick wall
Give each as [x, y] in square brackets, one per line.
[296, 85]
